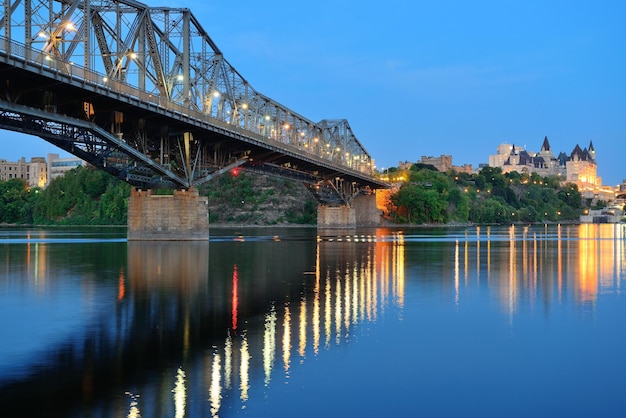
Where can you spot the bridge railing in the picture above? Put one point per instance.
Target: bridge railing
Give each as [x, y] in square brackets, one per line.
[262, 117]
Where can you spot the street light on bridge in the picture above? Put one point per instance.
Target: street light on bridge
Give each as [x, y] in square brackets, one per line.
[54, 38]
[119, 66]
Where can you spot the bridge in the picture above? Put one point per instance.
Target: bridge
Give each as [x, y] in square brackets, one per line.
[145, 94]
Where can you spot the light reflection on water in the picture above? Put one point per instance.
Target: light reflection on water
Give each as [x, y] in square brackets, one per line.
[229, 326]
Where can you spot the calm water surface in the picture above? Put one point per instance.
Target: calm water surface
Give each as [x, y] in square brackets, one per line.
[481, 321]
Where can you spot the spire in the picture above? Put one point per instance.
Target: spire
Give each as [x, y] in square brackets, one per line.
[546, 145]
[592, 152]
[577, 153]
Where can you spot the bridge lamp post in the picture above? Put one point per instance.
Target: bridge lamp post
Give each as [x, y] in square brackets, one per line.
[302, 142]
[244, 109]
[266, 127]
[209, 101]
[117, 72]
[285, 133]
[54, 38]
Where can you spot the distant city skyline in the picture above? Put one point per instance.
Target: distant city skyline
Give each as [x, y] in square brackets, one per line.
[30, 146]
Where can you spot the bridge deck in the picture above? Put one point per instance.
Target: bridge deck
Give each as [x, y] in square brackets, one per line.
[154, 131]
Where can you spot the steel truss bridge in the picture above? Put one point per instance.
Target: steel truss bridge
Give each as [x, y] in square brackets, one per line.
[145, 94]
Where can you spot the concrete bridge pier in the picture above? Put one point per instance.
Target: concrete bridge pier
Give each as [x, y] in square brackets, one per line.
[362, 212]
[183, 216]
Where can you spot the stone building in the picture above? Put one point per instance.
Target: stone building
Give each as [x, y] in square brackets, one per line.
[578, 167]
[38, 172]
[34, 172]
[442, 163]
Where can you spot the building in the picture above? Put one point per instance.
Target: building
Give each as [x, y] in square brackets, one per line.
[442, 163]
[33, 172]
[38, 172]
[59, 166]
[602, 216]
[579, 167]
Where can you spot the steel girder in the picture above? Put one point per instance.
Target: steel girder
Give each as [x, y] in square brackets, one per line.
[166, 58]
[91, 143]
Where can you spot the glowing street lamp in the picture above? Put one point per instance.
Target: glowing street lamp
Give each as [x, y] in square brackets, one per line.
[54, 38]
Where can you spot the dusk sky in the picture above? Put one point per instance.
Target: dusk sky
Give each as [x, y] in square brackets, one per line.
[420, 78]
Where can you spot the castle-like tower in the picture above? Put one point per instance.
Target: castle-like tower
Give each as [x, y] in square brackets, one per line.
[582, 168]
[578, 167]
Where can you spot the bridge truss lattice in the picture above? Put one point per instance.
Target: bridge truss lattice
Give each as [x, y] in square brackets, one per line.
[162, 105]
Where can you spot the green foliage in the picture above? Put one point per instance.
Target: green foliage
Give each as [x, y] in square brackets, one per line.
[486, 197]
[458, 205]
[91, 197]
[83, 196]
[261, 200]
[491, 211]
[16, 202]
[422, 166]
[422, 203]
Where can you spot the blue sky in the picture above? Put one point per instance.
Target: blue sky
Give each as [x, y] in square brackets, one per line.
[429, 78]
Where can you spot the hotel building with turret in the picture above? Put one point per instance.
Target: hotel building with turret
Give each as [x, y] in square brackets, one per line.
[579, 167]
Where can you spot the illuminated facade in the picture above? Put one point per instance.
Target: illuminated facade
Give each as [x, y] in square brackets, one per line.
[38, 172]
[579, 167]
[582, 168]
[34, 172]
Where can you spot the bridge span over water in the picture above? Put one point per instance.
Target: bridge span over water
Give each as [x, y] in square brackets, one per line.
[145, 94]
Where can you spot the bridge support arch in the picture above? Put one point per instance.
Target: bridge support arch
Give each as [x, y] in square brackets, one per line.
[183, 216]
[362, 212]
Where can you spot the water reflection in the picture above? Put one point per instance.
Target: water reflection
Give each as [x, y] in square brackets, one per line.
[198, 329]
[529, 265]
[180, 394]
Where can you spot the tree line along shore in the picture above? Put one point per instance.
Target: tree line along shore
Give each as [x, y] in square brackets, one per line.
[420, 196]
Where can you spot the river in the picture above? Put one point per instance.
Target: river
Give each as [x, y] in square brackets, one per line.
[476, 321]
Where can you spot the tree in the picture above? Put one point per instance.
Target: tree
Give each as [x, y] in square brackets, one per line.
[458, 205]
[83, 196]
[16, 201]
[422, 166]
[422, 205]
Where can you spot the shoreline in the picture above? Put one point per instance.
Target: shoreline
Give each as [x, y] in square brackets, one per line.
[307, 226]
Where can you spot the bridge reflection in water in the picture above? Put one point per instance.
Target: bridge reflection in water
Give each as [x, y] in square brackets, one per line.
[204, 329]
[265, 327]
